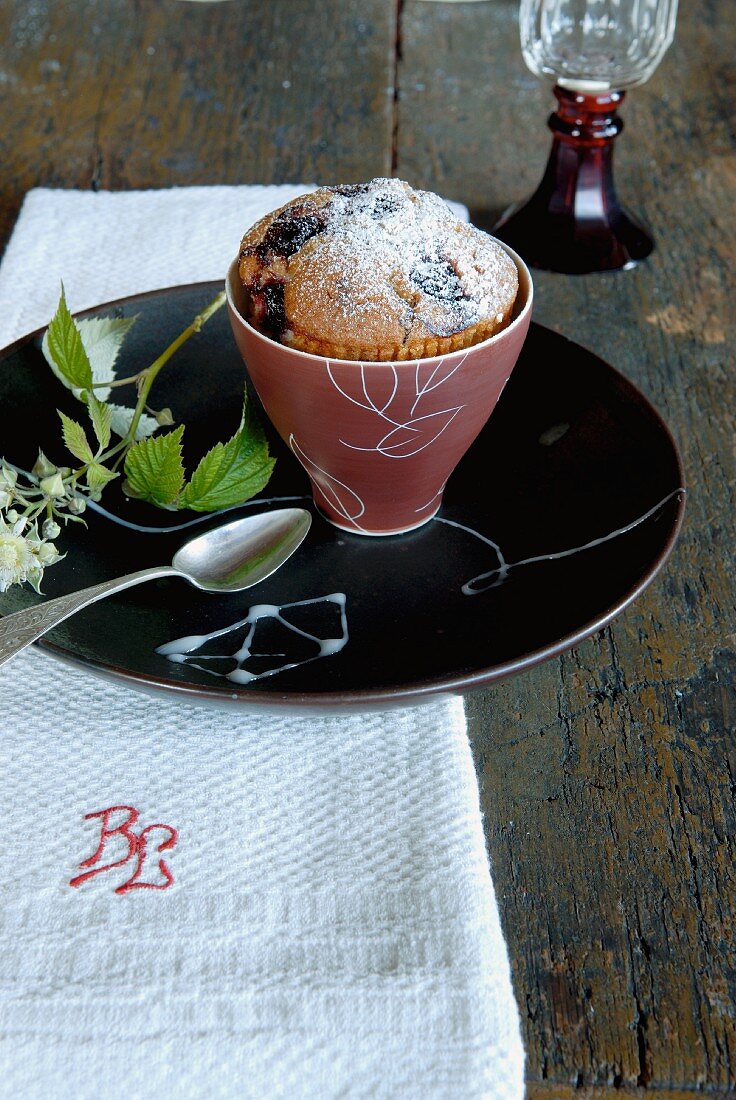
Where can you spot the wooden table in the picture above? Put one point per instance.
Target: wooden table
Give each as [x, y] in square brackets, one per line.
[608, 774]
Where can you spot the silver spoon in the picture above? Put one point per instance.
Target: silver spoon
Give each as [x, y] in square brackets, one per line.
[228, 558]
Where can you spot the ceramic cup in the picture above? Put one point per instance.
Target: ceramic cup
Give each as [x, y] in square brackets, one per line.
[379, 440]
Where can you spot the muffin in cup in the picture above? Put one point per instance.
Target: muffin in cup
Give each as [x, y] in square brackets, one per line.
[379, 332]
[375, 272]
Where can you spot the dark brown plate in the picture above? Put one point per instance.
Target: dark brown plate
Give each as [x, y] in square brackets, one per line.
[575, 470]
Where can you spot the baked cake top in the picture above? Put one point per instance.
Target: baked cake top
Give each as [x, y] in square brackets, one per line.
[375, 270]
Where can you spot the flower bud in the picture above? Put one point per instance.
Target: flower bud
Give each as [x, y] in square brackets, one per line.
[50, 529]
[165, 418]
[5, 498]
[77, 506]
[53, 486]
[12, 515]
[8, 477]
[42, 466]
[47, 553]
[34, 578]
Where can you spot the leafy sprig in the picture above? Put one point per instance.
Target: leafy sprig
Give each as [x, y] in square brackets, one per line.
[111, 439]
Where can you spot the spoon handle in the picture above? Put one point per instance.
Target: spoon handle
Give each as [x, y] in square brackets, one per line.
[23, 627]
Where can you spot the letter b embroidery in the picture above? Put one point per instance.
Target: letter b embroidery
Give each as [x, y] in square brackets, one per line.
[137, 850]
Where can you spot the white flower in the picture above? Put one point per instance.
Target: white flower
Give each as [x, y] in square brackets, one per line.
[23, 557]
[17, 560]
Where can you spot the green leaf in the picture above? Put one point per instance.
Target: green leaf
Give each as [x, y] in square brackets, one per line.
[64, 351]
[101, 417]
[122, 417]
[75, 438]
[154, 469]
[231, 472]
[103, 338]
[98, 476]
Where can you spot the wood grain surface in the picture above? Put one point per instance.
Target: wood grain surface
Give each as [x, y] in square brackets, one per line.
[607, 775]
[158, 93]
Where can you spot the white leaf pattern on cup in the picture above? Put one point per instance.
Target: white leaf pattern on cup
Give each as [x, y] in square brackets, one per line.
[336, 493]
[363, 399]
[409, 434]
[439, 374]
[405, 440]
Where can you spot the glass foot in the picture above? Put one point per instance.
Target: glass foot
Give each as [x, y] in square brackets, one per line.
[572, 246]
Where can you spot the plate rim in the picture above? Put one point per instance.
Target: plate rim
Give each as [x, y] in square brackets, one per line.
[409, 693]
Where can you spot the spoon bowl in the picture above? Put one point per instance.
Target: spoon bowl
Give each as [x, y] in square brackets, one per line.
[228, 558]
[240, 554]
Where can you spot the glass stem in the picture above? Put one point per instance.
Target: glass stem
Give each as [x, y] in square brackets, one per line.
[574, 222]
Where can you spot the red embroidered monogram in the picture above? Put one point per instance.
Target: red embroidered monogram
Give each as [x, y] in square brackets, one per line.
[137, 850]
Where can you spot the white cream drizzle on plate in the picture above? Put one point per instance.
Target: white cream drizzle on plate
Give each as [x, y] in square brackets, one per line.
[185, 650]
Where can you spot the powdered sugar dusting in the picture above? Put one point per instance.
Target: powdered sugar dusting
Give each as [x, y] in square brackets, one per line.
[372, 271]
[406, 250]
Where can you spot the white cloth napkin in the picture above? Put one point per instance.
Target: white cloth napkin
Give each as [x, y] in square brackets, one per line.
[312, 915]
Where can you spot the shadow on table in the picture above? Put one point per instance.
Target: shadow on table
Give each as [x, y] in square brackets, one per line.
[486, 218]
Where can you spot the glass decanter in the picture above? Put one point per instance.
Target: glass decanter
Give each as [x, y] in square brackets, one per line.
[593, 50]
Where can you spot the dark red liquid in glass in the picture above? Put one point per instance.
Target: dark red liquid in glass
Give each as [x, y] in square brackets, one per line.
[573, 222]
